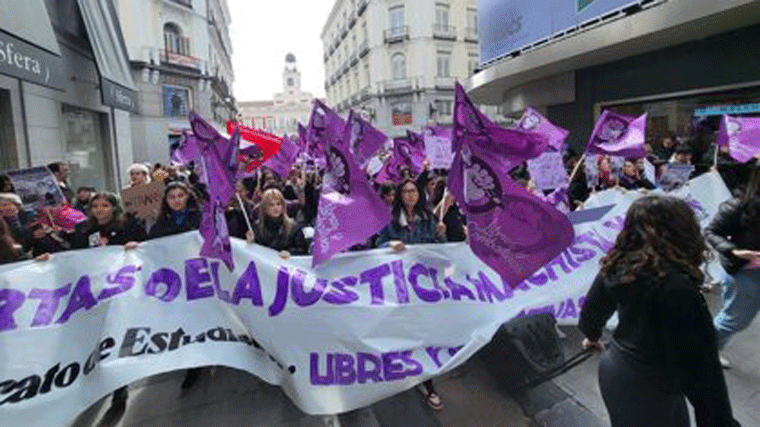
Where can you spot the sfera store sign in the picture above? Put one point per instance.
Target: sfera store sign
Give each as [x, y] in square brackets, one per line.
[118, 96]
[27, 62]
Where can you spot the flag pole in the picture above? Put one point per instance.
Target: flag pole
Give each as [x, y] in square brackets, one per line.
[577, 167]
[245, 213]
[715, 157]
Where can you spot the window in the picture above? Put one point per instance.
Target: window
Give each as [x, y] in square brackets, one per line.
[396, 15]
[472, 20]
[290, 81]
[444, 64]
[472, 63]
[366, 75]
[443, 108]
[357, 86]
[176, 101]
[401, 112]
[441, 16]
[86, 148]
[364, 30]
[173, 40]
[398, 67]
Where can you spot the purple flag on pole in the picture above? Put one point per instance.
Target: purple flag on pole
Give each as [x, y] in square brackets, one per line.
[364, 140]
[322, 121]
[282, 161]
[741, 135]
[533, 121]
[512, 231]
[406, 155]
[390, 170]
[301, 135]
[618, 135]
[349, 210]
[217, 159]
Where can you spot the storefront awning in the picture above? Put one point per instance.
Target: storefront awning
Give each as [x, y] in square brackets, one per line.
[107, 40]
[28, 47]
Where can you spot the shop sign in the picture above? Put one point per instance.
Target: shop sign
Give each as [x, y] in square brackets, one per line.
[24, 61]
[719, 110]
[118, 96]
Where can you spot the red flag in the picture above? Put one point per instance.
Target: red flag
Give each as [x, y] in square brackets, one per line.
[263, 146]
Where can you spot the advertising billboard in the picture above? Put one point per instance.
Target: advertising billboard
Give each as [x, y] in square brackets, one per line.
[507, 25]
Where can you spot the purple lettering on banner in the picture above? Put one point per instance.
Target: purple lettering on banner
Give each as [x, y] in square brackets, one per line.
[415, 367]
[569, 258]
[197, 273]
[281, 294]
[433, 272]
[523, 286]
[248, 286]
[603, 244]
[549, 268]
[570, 310]
[49, 300]
[433, 353]
[124, 278]
[581, 302]
[427, 295]
[363, 373]
[538, 278]
[222, 294]
[393, 369]
[485, 288]
[457, 290]
[166, 277]
[298, 291]
[374, 277]
[81, 298]
[547, 309]
[399, 281]
[339, 294]
[316, 378]
[344, 369]
[10, 301]
[617, 223]
[455, 350]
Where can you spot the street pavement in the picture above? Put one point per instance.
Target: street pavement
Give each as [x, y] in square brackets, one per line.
[472, 397]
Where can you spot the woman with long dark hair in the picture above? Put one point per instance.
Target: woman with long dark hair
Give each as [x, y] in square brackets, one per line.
[179, 211]
[10, 251]
[735, 235]
[447, 211]
[413, 222]
[107, 224]
[664, 347]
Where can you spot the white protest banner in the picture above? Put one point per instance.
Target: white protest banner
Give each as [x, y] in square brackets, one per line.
[144, 201]
[675, 175]
[548, 171]
[37, 187]
[438, 151]
[360, 328]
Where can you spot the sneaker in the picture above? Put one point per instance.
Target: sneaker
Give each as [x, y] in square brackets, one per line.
[724, 362]
[435, 401]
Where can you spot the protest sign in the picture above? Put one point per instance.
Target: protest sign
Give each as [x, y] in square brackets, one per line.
[365, 326]
[438, 151]
[675, 175]
[548, 171]
[37, 187]
[143, 201]
[649, 171]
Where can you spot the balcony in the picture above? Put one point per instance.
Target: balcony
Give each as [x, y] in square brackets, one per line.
[445, 83]
[400, 86]
[343, 32]
[352, 20]
[325, 57]
[365, 94]
[361, 7]
[331, 50]
[396, 34]
[344, 67]
[363, 49]
[353, 60]
[471, 35]
[444, 32]
[355, 100]
[178, 59]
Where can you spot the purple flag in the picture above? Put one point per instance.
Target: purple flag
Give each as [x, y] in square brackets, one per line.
[322, 120]
[512, 231]
[741, 135]
[390, 170]
[282, 161]
[515, 145]
[349, 210]
[406, 155]
[217, 159]
[301, 135]
[532, 121]
[618, 135]
[364, 140]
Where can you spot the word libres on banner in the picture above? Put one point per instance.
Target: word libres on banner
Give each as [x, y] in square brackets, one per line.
[102, 318]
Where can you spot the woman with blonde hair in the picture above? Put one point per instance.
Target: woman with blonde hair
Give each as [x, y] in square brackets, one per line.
[275, 229]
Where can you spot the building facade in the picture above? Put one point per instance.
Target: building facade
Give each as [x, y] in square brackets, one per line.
[396, 61]
[281, 115]
[66, 93]
[682, 62]
[181, 60]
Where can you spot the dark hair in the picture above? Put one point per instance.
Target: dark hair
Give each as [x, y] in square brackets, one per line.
[420, 208]
[5, 181]
[439, 189]
[9, 250]
[118, 210]
[658, 230]
[387, 188]
[90, 189]
[54, 167]
[750, 200]
[192, 202]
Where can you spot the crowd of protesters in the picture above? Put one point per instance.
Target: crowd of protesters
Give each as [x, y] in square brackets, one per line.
[279, 212]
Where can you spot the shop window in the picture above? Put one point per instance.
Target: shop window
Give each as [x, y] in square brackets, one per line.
[176, 101]
[398, 66]
[401, 113]
[86, 148]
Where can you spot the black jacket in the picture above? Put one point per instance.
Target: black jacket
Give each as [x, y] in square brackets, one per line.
[275, 236]
[166, 226]
[664, 324]
[725, 233]
[132, 230]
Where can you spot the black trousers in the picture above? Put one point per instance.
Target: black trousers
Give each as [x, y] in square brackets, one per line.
[634, 396]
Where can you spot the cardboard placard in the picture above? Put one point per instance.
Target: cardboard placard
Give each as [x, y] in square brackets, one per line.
[548, 171]
[143, 201]
[438, 151]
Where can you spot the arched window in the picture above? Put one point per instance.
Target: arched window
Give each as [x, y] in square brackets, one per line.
[398, 66]
[173, 40]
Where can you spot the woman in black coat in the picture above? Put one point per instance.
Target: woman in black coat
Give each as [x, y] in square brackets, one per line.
[179, 211]
[275, 229]
[107, 224]
[664, 347]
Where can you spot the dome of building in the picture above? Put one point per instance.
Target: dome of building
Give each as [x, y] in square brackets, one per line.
[290, 58]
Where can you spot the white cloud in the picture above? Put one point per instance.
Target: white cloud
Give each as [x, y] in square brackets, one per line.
[263, 32]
